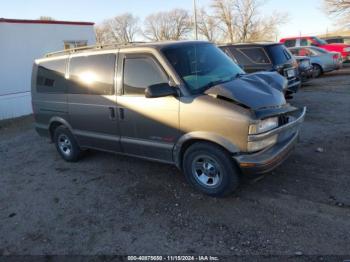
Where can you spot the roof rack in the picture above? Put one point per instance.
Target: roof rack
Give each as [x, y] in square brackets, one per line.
[91, 47]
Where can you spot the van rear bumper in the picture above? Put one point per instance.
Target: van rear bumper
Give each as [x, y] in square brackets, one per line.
[266, 160]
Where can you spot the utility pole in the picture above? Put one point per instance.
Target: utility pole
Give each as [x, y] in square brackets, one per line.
[195, 19]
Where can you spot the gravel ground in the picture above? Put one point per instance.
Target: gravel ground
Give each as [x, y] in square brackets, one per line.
[107, 204]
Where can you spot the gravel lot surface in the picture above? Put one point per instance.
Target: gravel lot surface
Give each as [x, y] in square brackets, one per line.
[108, 204]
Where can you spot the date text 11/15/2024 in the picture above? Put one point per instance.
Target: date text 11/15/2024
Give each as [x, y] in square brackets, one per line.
[173, 258]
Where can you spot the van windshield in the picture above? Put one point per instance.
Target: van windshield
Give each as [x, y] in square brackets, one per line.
[202, 66]
[319, 41]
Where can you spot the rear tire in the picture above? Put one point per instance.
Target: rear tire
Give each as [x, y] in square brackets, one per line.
[210, 169]
[66, 144]
[317, 70]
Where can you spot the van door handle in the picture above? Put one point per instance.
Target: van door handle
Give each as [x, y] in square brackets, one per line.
[111, 113]
[121, 113]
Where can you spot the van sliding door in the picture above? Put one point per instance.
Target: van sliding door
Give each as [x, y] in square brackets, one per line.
[92, 101]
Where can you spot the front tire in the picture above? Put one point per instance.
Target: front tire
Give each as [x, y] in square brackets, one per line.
[66, 144]
[210, 169]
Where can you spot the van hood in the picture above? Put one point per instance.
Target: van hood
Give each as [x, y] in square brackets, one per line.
[256, 91]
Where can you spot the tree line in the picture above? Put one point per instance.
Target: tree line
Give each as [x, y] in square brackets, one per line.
[339, 9]
[222, 21]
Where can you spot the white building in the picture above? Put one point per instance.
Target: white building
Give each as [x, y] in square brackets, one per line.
[21, 42]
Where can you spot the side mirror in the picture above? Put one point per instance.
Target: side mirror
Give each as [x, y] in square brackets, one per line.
[160, 90]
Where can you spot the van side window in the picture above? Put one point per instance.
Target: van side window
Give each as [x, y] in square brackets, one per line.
[140, 73]
[92, 75]
[290, 43]
[229, 54]
[256, 55]
[304, 52]
[242, 60]
[51, 77]
[304, 42]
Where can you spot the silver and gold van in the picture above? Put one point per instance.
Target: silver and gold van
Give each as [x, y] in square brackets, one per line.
[185, 103]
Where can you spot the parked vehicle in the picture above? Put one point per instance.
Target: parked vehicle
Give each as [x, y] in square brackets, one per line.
[183, 103]
[322, 60]
[344, 49]
[254, 57]
[337, 40]
[305, 68]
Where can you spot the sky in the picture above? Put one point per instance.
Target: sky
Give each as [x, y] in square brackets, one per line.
[306, 17]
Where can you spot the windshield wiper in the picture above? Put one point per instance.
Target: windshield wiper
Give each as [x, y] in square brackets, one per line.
[217, 82]
[213, 83]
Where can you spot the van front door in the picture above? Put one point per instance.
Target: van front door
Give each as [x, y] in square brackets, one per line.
[149, 126]
[92, 101]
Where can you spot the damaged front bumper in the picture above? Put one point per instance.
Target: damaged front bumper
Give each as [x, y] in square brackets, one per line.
[268, 159]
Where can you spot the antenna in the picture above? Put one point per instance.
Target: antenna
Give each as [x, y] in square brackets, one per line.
[195, 19]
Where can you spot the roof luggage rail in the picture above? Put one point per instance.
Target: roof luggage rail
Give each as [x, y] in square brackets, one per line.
[91, 47]
[71, 50]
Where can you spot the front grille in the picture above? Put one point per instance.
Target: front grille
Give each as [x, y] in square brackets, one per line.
[283, 119]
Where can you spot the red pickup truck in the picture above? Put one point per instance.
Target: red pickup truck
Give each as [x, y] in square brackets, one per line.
[344, 49]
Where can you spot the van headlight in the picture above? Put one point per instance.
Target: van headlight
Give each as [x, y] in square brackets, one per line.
[347, 49]
[261, 144]
[263, 126]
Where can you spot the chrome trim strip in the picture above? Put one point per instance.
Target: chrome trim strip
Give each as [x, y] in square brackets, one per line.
[146, 143]
[131, 155]
[95, 135]
[258, 137]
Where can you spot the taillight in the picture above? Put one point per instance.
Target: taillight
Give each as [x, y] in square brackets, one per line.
[295, 64]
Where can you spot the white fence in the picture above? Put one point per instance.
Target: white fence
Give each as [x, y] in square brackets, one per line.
[15, 105]
[21, 43]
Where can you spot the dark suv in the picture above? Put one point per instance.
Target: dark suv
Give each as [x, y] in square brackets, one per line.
[253, 57]
[182, 103]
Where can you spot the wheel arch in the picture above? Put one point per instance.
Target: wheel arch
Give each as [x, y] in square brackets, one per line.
[319, 65]
[189, 139]
[56, 122]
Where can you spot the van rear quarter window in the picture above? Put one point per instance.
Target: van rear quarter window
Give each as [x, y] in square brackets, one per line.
[51, 77]
[242, 59]
[92, 75]
[256, 55]
[290, 43]
[306, 42]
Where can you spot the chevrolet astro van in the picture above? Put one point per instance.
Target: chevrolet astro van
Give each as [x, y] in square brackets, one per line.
[184, 103]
